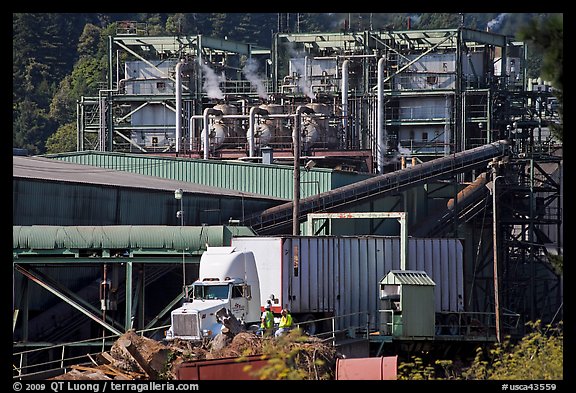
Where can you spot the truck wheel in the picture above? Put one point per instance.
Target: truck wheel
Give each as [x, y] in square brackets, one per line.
[309, 328]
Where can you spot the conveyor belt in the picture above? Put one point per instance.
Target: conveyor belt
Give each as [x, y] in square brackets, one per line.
[278, 220]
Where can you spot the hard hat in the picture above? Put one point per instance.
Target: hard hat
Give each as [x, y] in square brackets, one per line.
[267, 307]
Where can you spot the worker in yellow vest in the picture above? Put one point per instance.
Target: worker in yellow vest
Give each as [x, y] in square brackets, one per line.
[285, 323]
[267, 321]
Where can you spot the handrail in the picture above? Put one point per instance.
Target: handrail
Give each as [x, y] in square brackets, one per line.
[461, 323]
[62, 361]
[332, 333]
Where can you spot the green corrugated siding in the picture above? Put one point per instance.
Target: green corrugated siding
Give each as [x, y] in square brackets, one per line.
[195, 238]
[264, 179]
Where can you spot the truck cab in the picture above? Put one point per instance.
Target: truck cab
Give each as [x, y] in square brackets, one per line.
[228, 279]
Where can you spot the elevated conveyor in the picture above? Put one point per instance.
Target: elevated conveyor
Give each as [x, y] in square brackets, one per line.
[279, 218]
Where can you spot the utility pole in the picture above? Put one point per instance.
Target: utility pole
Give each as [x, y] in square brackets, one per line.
[493, 189]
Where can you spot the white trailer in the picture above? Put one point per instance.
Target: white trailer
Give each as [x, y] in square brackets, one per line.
[314, 277]
[321, 276]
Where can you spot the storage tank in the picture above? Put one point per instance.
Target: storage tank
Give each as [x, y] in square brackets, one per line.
[272, 130]
[316, 130]
[222, 130]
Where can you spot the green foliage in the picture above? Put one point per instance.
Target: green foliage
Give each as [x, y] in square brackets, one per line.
[538, 356]
[416, 370]
[439, 21]
[557, 262]
[547, 36]
[292, 357]
[89, 41]
[63, 140]
[33, 124]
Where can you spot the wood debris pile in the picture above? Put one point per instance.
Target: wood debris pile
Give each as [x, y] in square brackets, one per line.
[134, 357]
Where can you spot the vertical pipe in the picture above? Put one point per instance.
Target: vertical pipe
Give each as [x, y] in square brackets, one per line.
[381, 135]
[252, 125]
[447, 127]
[495, 250]
[110, 88]
[403, 240]
[207, 112]
[296, 140]
[178, 105]
[191, 132]
[531, 241]
[305, 75]
[489, 118]
[80, 125]
[345, 66]
[128, 308]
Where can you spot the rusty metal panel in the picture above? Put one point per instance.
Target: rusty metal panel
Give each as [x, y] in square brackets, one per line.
[371, 368]
[221, 369]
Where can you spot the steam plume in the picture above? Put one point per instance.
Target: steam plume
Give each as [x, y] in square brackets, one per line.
[212, 82]
[250, 71]
[302, 80]
[495, 23]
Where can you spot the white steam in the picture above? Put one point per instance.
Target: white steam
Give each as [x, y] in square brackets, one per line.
[495, 23]
[300, 66]
[250, 70]
[212, 82]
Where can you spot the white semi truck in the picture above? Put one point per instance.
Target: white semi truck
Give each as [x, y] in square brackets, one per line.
[314, 277]
[228, 279]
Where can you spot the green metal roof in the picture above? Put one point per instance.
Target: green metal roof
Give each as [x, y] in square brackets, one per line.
[270, 180]
[44, 237]
[407, 277]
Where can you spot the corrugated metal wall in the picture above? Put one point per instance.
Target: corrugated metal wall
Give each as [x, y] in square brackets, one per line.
[56, 203]
[343, 273]
[264, 179]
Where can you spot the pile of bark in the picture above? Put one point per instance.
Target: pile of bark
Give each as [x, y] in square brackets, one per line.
[134, 357]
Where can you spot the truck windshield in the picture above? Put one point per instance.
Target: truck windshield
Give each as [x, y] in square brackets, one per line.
[210, 292]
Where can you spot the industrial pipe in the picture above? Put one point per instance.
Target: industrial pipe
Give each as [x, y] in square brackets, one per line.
[178, 105]
[255, 110]
[345, 65]
[102, 112]
[296, 135]
[306, 72]
[381, 135]
[208, 112]
[477, 185]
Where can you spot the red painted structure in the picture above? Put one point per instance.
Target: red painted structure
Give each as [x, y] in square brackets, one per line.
[234, 368]
[373, 368]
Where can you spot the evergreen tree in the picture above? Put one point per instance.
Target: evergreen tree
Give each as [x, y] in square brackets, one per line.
[547, 35]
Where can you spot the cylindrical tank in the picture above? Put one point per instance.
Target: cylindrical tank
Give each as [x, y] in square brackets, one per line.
[223, 130]
[216, 133]
[278, 132]
[262, 134]
[315, 130]
[231, 126]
